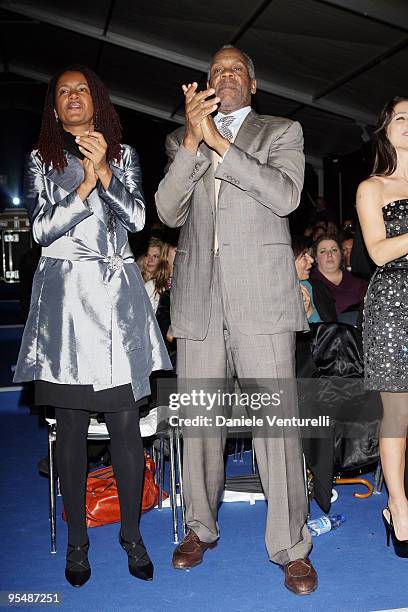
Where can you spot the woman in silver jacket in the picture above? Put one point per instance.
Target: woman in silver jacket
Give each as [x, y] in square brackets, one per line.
[91, 338]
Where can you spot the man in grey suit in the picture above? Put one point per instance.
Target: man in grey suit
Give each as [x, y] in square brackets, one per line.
[230, 183]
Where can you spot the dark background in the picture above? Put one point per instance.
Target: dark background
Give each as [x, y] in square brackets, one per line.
[148, 135]
[329, 64]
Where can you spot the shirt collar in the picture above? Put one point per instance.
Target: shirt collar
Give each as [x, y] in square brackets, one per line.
[239, 116]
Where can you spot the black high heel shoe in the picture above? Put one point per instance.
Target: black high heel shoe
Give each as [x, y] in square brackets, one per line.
[77, 570]
[139, 562]
[400, 546]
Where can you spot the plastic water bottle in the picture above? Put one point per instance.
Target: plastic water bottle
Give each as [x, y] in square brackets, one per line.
[323, 524]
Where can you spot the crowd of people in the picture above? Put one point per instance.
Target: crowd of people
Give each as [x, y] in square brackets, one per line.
[331, 291]
[325, 260]
[234, 293]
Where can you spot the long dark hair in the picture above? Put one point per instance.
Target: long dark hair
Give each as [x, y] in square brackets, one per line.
[50, 143]
[299, 245]
[385, 160]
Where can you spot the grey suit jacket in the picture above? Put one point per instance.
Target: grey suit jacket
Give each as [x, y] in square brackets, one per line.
[262, 178]
[87, 288]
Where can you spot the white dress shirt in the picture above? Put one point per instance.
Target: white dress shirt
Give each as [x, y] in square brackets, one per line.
[154, 297]
[239, 116]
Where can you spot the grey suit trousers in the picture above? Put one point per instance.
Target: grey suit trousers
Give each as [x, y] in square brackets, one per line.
[265, 358]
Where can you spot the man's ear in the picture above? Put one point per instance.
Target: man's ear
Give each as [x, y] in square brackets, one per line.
[253, 86]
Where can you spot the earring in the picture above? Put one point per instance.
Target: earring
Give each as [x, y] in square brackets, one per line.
[56, 116]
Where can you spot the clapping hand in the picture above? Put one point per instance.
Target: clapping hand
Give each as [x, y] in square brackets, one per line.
[94, 147]
[199, 123]
[212, 137]
[197, 107]
[90, 179]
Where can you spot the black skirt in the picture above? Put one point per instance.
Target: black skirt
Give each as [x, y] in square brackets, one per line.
[83, 397]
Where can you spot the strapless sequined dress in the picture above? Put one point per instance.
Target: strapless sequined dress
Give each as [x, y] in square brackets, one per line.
[385, 333]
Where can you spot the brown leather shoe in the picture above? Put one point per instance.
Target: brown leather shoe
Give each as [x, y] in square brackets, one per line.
[300, 576]
[190, 551]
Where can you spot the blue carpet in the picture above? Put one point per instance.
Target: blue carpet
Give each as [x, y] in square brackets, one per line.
[10, 339]
[356, 571]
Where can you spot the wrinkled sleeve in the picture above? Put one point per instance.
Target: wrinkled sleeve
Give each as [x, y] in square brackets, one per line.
[183, 171]
[276, 184]
[49, 221]
[124, 195]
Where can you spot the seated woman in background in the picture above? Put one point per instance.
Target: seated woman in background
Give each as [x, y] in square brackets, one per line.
[156, 270]
[347, 290]
[318, 301]
[163, 308]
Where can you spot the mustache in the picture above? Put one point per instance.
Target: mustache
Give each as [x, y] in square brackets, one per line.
[227, 85]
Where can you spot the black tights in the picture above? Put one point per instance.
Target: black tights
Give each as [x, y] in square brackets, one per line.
[127, 461]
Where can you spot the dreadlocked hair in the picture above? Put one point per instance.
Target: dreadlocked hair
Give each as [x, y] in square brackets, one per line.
[50, 143]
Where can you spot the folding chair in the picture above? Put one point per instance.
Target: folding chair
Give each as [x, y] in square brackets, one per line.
[148, 428]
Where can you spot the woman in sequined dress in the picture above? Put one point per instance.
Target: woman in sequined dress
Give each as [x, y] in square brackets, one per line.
[382, 205]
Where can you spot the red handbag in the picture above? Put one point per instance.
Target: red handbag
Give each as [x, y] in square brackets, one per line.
[102, 502]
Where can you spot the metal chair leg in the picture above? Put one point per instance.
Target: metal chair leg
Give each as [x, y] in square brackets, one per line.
[173, 496]
[235, 459]
[53, 513]
[154, 457]
[181, 486]
[161, 472]
[378, 479]
[241, 454]
[253, 457]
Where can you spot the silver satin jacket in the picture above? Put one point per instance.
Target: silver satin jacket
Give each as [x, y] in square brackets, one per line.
[89, 307]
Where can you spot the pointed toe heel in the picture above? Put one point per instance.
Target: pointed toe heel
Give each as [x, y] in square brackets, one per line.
[77, 570]
[139, 563]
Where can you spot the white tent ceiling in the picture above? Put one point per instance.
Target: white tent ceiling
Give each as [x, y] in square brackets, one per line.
[328, 64]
